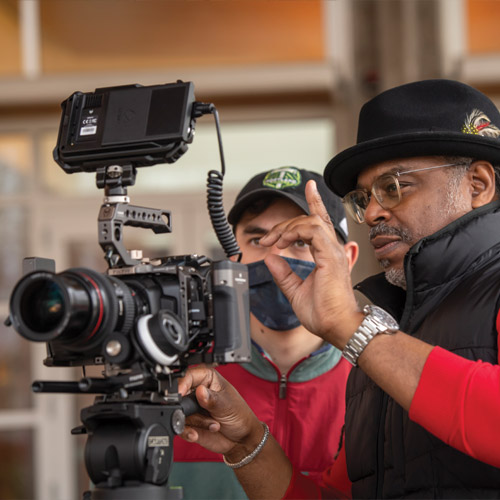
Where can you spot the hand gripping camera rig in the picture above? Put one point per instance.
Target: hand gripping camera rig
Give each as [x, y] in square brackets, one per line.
[144, 320]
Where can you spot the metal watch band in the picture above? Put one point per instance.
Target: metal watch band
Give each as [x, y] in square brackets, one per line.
[357, 343]
[376, 321]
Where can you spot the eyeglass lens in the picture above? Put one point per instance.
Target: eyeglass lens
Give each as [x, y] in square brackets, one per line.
[386, 190]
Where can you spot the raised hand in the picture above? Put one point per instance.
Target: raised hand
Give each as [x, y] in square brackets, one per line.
[324, 302]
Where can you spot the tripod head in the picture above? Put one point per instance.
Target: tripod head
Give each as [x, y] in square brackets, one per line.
[130, 430]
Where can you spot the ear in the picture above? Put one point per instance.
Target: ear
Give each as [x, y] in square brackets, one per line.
[481, 175]
[352, 252]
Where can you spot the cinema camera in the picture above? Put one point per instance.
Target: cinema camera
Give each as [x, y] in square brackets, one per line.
[146, 320]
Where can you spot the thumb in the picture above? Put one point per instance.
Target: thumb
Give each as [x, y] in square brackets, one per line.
[283, 275]
[204, 397]
[213, 401]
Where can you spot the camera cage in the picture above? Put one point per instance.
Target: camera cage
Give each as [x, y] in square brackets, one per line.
[142, 399]
[115, 131]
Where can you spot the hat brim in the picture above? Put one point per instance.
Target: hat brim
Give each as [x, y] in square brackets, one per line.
[341, 172]
[243, 203]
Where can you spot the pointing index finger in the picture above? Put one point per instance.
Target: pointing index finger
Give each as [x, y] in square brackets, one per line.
[316, 205]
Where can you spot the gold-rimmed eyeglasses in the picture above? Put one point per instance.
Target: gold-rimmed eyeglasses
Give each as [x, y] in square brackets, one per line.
[386, 190]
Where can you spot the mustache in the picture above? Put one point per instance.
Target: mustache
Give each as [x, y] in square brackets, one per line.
[383, 229]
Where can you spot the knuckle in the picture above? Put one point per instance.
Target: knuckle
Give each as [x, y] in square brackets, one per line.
[326, 219]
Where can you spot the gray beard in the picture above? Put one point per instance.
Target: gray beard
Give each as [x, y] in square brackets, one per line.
[395, 277]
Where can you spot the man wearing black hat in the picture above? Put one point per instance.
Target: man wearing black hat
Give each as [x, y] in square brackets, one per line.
[422, 407]
[295, 382]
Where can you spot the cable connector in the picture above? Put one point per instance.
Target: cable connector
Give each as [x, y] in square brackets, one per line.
[202, 108]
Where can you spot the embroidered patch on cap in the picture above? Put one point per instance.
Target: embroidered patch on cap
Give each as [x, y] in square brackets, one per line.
[282, 178]
[478, 123]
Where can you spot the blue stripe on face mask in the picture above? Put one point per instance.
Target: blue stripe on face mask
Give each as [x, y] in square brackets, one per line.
[267, 302]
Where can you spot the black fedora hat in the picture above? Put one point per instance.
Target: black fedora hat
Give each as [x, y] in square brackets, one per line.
[426, 118]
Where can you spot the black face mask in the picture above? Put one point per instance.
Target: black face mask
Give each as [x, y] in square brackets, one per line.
[267, 302]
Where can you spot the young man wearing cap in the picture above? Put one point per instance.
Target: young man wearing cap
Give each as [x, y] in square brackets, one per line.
[422, 406]
[295, 382]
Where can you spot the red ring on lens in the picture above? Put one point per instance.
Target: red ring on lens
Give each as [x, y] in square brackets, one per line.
[101, 308]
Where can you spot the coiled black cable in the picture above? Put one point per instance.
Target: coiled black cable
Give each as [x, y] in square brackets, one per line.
[218, 217]
[215, 204]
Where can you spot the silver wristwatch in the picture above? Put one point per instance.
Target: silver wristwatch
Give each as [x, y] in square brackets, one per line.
[376, 321]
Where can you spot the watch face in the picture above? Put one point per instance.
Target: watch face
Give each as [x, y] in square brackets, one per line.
[383, 317]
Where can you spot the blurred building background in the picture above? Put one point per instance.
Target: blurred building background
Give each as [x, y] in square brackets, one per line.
[288, 78]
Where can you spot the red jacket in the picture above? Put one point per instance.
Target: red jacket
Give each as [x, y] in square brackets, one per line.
[304, 409]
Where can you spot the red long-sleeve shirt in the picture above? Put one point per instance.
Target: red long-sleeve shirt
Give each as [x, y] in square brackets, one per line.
[449, 385]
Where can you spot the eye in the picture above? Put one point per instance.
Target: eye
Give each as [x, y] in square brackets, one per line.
[387, 187]
[254, 242]
[300, 244]
[405, 183]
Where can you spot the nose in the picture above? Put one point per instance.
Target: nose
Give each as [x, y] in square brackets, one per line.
[375, 213]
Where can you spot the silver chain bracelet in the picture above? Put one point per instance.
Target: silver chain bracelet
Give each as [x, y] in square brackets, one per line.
[251, 456]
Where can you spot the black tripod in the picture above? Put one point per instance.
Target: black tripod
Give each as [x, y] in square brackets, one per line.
[129, 449]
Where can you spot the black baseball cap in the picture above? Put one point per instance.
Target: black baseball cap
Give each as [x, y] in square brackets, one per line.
[289, 183]
[436, 117]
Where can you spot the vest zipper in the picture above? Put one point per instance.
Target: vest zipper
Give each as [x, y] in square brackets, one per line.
[282, 389]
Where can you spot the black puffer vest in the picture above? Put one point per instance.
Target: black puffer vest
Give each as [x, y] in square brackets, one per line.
[452, 300]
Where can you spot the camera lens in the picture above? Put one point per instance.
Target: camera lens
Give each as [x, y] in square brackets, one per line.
[45, 306]
[72, 307]
[42, 305]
